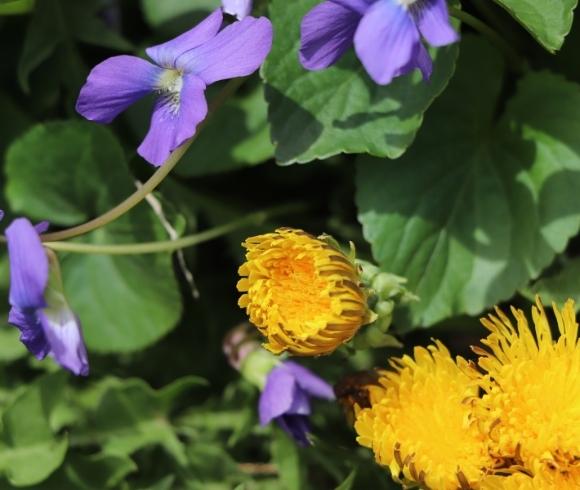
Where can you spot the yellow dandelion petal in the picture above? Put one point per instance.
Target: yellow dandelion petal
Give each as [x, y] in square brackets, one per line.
[420, 422]
[517, 481]
[531, 402]
[545, 479]
[303, 294]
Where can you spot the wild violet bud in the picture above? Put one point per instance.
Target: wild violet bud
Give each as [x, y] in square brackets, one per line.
[238, 8]
[47, 324]
[184, 67]
[387, 35]
[286, 398]
[285, 386]
[302, 293]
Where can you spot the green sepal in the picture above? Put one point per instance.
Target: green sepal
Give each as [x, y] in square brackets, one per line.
[384, 291]
[257, 366]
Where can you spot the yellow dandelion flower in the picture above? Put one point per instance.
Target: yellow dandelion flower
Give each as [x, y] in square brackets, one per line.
[531, 403]
[545, 479]
[302, 293]
[420, 422]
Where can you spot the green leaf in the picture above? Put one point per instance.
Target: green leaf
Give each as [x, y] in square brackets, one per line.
[157, 13]
[481, 203]
[163, 484]
[68, 173]
[13, 122]
[315, 115]
[558, 284]
[10, 346]
[126, 303]
[15, 7]
[212, 467]
[99, 471]
[29, 449]
[42, 37]
[130, 416]
[94, 472]
[348, 483]
[547, 21]
[242, 129]
[286, 456]
[55, 26]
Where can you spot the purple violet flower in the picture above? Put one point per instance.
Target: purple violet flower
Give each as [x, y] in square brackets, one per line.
[386, 35]
[237, 8]
[184, 68]
[286, 398]
[39, 309]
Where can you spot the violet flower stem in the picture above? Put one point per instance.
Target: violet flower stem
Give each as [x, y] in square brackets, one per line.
[518, 64]
[150, 185]
[168, 246]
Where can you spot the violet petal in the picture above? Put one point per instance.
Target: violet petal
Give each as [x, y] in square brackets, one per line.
[420, 59]
[296, 426]
[114, 85]
[300, 403]
[62, 329]
[237, 51]
[277, 396]
[28, 265]
[31, 331]
[423, 61]
[309, 382]
[237, 8]
[432, 19]
[360, 6]
[174, 120]
[326, 32]
[42, 227]
[386, 40]
[167, 53]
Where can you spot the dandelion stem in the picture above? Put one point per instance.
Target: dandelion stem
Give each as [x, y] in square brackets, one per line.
[150, 185]
[168, 246]
[517, 63]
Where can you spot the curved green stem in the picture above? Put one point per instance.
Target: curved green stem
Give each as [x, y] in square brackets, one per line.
[253, 219]
[510, 53]
[148, 186]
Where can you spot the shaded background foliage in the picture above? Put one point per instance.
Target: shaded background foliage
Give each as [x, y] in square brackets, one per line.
[471, 195]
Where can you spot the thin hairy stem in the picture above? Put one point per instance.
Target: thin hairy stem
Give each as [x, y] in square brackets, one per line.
[168, 246]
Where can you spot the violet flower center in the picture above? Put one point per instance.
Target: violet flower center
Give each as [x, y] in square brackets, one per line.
[406, 3]
[169, 86]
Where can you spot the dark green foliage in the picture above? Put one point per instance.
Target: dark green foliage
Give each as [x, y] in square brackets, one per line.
[467, 185]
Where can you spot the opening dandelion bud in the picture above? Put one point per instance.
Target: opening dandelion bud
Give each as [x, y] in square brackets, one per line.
[303, 293]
